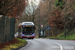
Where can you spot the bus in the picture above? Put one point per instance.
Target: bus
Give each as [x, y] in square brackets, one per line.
[26, 30]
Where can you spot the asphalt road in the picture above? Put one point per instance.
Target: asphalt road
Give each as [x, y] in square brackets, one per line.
[49, 44]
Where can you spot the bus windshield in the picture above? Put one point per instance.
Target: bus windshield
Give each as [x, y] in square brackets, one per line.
[28, 30]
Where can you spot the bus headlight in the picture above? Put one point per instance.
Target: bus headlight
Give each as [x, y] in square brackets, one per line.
[33, 34]
[22, 34]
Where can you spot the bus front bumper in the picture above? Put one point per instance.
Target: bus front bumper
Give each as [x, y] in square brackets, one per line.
[28, 36]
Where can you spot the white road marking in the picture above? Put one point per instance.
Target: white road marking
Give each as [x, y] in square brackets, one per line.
[61, 48]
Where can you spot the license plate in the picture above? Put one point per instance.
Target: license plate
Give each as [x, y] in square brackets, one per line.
[28, 36]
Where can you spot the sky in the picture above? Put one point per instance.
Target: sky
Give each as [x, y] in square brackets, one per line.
[32, 5]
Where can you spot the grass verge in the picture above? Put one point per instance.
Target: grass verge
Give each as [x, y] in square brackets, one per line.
[69, 36]
[15, 43]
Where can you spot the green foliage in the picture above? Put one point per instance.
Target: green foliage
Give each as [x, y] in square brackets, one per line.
[61, 35]
[59, 4]
[74, 7]
[72, 32]
[70, 36]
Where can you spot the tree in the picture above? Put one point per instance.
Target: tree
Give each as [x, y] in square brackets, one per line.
[59, 3]
[56, 19]
[12, 8]
[31, 7]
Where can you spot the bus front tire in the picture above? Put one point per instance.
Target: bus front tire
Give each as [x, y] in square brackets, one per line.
[30, 38]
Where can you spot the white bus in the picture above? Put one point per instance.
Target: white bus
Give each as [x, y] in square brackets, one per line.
[26, 30]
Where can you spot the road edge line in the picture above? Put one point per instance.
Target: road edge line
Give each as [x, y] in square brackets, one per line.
[61, 48]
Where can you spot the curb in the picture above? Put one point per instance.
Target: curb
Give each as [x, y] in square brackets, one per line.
[20, 47]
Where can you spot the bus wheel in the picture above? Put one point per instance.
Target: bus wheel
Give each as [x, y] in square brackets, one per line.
[32, 38]
[29, 38]
[21, 38]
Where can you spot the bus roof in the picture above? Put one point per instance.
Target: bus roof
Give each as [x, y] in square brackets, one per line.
[26, 23]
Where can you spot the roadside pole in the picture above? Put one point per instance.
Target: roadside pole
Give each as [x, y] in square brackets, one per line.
[42, 30]
[65, 19]
[48, 27]
[49, 32]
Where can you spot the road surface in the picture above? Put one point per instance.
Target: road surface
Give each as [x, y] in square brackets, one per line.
[49, 44]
